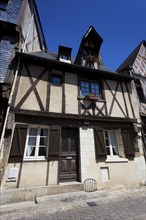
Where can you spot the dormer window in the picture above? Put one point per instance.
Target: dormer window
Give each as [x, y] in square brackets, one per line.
[64, 54]
[89, 50]
[89, 57]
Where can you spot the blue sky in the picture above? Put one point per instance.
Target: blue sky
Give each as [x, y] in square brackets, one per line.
[121, 24]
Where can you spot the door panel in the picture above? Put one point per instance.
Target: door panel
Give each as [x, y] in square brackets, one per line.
[69, 155]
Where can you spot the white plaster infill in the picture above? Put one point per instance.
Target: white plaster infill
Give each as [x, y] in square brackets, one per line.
[115, 159]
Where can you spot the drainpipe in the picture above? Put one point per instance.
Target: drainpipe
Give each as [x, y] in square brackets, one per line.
[12, 90]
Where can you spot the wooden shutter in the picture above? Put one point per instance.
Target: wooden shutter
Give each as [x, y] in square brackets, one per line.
[54, 143]
[18, 144]
[99, 143]
[128, 143]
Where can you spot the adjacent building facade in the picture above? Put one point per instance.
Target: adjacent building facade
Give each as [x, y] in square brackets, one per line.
[135, 65]
[20, 31]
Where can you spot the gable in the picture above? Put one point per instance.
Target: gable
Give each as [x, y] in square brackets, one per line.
[90, 45]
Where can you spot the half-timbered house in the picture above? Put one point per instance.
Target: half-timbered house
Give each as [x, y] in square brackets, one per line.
[73, 121]
[135, 65]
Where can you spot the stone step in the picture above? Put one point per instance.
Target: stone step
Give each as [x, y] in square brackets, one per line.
[32, 193]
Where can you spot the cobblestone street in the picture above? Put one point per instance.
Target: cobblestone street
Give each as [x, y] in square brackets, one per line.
[102, 205]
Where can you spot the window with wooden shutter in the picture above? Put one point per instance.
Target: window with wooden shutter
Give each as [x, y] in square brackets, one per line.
[99, 143]
[128, 143]
[18, 144]
[54, 143]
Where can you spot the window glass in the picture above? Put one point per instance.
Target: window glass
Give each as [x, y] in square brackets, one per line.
[69, 140]
[140, 91]
[111, 143]
[65, 140]
[43, 141]
[95, 89]
[73, 140]
[32, 141]
[33, 132]
[90, 87]
[30, 151]
[84, 88]
[64, 57]
[42, 151]
[56, 80]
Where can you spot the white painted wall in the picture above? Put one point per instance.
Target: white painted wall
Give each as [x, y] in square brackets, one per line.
[124, 173]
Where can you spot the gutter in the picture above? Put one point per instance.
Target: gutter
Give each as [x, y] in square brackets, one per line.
[76, 68]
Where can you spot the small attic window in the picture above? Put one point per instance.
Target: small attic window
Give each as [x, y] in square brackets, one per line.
[56, 80]
[64, 57]
[3, 4]
[64, 54]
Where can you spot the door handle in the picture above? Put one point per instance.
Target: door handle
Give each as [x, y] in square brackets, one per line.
[68, 158]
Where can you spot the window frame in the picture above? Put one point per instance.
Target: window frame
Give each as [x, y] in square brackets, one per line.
[90, 89]
[113, 158]
[69, 139]
[37, 145]
[111, 147]
[140, 92]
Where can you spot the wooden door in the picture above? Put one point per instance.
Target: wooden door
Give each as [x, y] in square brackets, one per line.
[69, 155]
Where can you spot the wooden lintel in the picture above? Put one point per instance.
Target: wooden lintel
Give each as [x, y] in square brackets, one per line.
[72, 116]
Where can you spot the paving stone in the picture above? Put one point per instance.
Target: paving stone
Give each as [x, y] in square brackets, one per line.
[124, 205]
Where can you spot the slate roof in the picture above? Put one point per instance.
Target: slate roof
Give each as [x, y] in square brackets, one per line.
[45, 54]
[131, 58]
[106, 69]
[54, 56]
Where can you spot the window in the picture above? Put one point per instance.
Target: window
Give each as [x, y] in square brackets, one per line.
[64, 54]
[3, 4]
[69, 140]
[140, 91]
[36, 143]
[111, 143]
[56, 80]
[64, 57]
[90, 87]
[145, 135]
